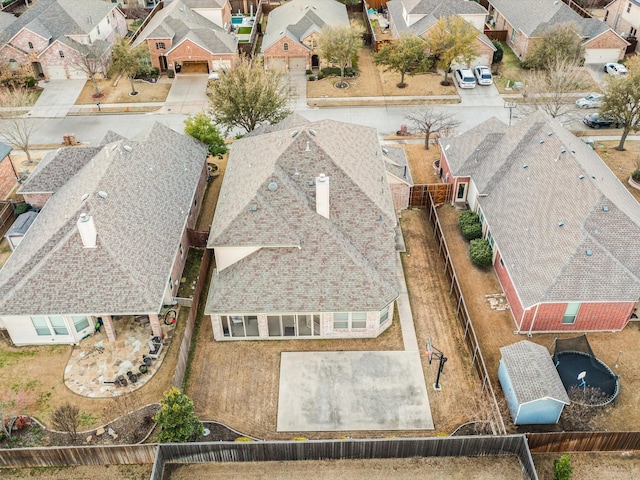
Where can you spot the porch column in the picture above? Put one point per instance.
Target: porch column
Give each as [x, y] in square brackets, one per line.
[155, 325]
[108, 328]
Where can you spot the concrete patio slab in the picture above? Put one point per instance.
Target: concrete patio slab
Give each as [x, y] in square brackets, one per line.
[338, 391]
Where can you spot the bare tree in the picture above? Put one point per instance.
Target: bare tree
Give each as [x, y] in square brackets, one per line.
[433, 122]
[549, 89]
[92, 61]
[66, 418]
[15, 127]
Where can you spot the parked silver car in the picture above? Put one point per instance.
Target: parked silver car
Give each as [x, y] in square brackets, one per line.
[465, 78]
[483, 75]
[593, 100]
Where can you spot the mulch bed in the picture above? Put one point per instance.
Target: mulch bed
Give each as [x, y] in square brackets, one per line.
[220, 433]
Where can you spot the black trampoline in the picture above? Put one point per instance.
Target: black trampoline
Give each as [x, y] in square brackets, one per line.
[579, 367]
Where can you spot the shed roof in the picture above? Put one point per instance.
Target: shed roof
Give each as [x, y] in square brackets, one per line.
[4, 150]
[22, 224]
[532, 373]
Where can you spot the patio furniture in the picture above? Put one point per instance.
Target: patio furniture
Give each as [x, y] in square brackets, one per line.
[155, 348]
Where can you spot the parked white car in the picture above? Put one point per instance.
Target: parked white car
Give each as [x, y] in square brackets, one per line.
[483, 75]
[465, 78]
[615, 69]
[593, 100]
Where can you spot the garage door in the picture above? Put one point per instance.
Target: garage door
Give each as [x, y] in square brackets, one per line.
[601, 55]
[221, 65]
[297, 64]
[276, 63]
[76, 74]
[58, 72]
[194, 67]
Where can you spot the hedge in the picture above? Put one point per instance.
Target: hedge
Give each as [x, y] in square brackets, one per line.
[480, 252]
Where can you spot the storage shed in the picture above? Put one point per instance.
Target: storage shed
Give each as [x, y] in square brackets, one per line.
[532, 387]
[19, 228]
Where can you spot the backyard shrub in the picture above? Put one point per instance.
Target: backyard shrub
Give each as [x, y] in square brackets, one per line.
[328, 71]
[147, 71]
[308, 72]
[562, 468]
[467, 217]
[177, 418]
[635, 175]
[499, 53]
[21, 208]
[480, 252]
[471, 231]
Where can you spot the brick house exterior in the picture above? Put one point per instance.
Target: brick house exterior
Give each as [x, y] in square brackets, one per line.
[524, 26]
[290, 41]
[623, 16]
[185, 37]
[566, 264]
[51, 39]
[304, 239]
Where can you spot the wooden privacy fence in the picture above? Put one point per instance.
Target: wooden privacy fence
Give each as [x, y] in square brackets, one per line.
[584, 441]
[499, 35]
[68, 456]
[198, 238]
[6, 217]
[471, 446]
[185, 346]
[441, 193]
[463, 316]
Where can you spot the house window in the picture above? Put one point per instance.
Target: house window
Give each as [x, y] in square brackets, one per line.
[61, 53]
[13, 64]
[351, 321]
[285, 47]
[80, 322]
[571, 313]
[629, 7]
[59, 325]
[501, 262]
[632, 32]
[240, 325]
[480, 216]
[384, 314]
[160, 45]
[30, 46]
[462, 190]
[301, 325]
[41, 325]
[513, 35]
[181, 250]
[490, 239]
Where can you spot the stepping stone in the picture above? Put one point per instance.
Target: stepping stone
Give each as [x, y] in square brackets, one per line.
[100, 431]
[89, 438]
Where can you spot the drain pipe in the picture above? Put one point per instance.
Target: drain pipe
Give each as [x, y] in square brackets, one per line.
[533, 321]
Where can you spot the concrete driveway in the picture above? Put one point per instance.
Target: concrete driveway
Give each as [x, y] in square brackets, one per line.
[480, 96]
[188, 94]
[57, 98]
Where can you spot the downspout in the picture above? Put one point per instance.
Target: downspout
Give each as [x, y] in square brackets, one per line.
[533, 321]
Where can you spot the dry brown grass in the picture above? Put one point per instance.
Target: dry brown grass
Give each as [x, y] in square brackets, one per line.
[621, 163]
[112, 472]
[617, 465]
[421, 162]
[148, 92]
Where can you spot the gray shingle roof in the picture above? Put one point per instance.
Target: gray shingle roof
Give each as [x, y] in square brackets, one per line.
[4, 150]
[297, 17]
[305, 262]
[397, 164]
[22, 223]
[6, 19]
[53, 19]
[178, 22]
[532, 373]
[524, 206]
[546, 14]
[140, 223]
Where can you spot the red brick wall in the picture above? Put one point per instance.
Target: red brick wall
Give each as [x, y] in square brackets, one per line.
[188, 51]
[155, 53]
[445, 169]
[295, 50]
[509, 290]
[591, 317]
[608, 40]
[37, 199]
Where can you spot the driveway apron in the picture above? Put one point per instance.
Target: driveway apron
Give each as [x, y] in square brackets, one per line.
[57, 98]
[188, 94]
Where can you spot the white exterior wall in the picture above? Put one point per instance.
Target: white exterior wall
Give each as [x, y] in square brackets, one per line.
[477, 20]
[23, 332]
[472, 195]
[227, 256]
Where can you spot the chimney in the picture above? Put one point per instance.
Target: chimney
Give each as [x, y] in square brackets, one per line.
[322, 195]
[87, 229]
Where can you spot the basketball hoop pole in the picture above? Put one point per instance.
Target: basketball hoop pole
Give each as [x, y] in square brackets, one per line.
[434, 352]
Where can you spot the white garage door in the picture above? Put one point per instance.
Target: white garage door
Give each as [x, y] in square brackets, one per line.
[601, 55]
[297, 64]
[484, 60]
[221, 65]
[276, 63]
[58, 72]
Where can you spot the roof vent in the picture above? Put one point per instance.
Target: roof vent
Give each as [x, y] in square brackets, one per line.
[310, 183]
[294, 133]
[385, 150]
[541, 141]
[84, 197]
[563, 150]
[312, 132]
[273, 186]
[593, 177]
[588, 252]
[526, 165]
[561, 223]
[254, 208]
[114, 146]
[580, 176]
[549, 134]
[605, 208]
[102, 194]
[128, 148]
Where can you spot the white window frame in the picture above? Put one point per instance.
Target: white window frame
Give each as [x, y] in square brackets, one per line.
[350, 321]
[571, 313]
[384, 314]
[316, 327]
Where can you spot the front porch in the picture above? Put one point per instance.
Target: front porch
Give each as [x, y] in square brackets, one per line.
[100, 367]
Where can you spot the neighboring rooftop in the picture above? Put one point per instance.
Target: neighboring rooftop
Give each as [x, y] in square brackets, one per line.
[425, 13]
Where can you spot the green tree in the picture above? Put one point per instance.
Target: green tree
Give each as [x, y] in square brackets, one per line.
[201, 126]
[499, 53]
[126, 60]
[403, 55]
[338, 44]
[562, 468]
[563, 40]
[621, 100]
[480, 252]
[248, 95]
[177, 419]
[452, 38]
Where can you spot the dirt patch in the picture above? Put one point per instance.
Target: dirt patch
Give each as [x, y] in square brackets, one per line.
[147, 92]
[112, 472]
[621, 163]
[457, 468]
[208, 207]
[614, 465]
[421, 163]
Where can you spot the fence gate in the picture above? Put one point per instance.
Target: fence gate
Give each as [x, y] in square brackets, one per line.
[441, 193]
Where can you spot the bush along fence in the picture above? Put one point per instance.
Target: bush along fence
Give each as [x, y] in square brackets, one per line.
[472, 446]
[464, 318]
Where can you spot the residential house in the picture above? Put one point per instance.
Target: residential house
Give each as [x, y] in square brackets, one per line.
[304, 235]
[291, 39]
[110, 240]
[191, 36]
[563, 229]
[526, 25]
[623, 17]
[55, 37]
[531, 384]
[418, 16]
[8, 174]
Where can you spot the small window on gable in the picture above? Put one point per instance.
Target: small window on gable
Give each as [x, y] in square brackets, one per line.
[30, 46]
[160, 45]
[285, 47]
[61, 53]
